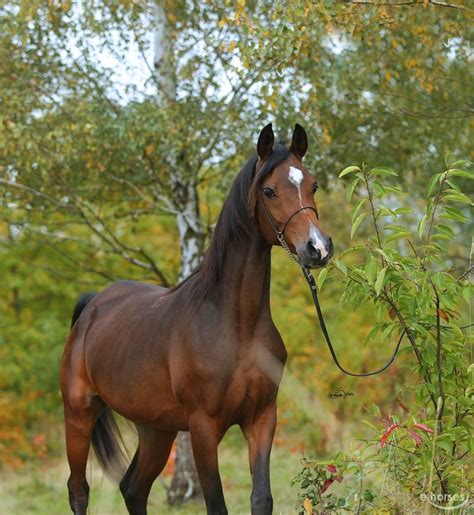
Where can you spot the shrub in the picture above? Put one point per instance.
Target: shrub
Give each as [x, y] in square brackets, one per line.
[405, 269]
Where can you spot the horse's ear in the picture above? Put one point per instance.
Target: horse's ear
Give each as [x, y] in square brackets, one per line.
[299, 143]
[265, 142]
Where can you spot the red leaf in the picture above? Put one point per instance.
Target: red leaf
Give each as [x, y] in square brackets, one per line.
[387, 433]
[423, 427]
[327, 484]
[332, 469]
[416, 437]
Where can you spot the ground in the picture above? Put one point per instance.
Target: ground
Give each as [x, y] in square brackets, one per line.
[41, 489]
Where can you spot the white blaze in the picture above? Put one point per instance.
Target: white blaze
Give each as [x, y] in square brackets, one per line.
[315, 237]
[295, 176]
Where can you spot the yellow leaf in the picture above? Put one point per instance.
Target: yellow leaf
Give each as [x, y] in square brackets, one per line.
[307, 505]
[149, 150]
[388, 76]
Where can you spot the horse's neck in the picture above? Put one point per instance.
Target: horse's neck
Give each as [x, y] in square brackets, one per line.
[245, 284]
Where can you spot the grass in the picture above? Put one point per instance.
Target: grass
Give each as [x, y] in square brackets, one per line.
[41, 488]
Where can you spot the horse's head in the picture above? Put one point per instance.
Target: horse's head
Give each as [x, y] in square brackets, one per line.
[285, 200]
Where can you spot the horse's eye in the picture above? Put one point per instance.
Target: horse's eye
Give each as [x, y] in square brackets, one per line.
[269, 192]
[315, 188]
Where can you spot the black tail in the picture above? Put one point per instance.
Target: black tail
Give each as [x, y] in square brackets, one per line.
[83, 300]
[108, 446]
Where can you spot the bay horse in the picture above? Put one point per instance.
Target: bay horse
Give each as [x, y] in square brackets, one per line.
[194, 358]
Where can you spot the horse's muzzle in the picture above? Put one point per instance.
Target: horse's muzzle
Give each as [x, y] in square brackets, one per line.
[316, 254]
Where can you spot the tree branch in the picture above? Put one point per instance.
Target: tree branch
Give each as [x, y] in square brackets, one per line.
[435, 3]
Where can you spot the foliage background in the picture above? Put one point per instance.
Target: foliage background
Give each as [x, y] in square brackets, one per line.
[87, 158]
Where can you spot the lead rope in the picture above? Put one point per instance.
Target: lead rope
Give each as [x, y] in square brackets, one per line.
[314, 292]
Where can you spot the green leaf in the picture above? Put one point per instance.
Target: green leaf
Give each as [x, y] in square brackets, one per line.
[322, 277]
[454, 187]
[398, 231]
[356, 223]
[458, 197]
[440, 236]
[370, 270]
[357, 207]
[383, 170]
[445, 230]
[387, 332]
[383, 211]
[421, 225]
[397, 235]
[383, 254]
[348, 170]
[352, 187]
[340, 265]
[393, 189]
[433, 182]
[402, 210]
[453, 213]
[379, 189]
[372, 333]
[379, 282]
[461, 163]
[462, 173]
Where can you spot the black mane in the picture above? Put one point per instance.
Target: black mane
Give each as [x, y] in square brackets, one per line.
[233, 225]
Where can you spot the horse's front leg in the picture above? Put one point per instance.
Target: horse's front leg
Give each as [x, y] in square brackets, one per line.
[205, 437]
[259, 432]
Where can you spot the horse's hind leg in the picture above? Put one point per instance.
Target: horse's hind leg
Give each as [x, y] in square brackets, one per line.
[152, 454]
[79, 426]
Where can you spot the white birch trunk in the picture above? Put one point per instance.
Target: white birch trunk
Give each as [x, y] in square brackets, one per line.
[162, 57]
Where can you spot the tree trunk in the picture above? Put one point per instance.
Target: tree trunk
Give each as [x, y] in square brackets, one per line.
[185, 483]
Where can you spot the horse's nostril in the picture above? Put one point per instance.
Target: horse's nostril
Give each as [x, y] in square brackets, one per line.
[312, 251]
